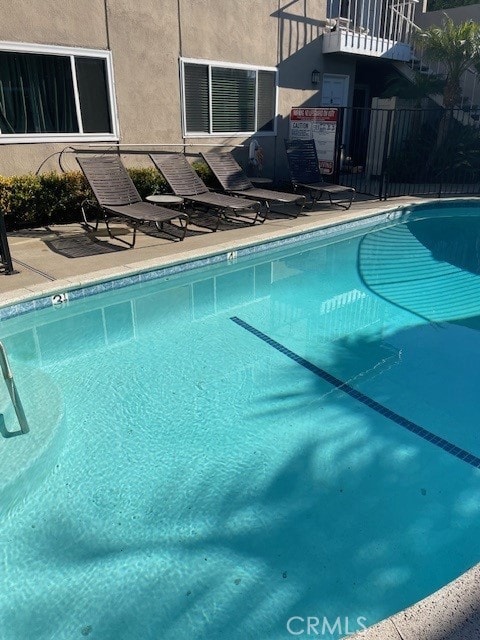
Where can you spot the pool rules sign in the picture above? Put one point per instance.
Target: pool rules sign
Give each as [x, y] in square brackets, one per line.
[319, 123]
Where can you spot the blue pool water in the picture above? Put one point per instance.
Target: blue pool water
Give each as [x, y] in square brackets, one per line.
[288, 436]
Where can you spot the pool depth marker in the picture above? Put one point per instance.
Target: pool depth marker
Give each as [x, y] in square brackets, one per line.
[447, 446]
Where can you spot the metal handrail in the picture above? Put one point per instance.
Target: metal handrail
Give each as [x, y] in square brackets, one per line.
[15, 398]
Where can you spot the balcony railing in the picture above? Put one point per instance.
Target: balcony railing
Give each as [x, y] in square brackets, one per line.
[378, 28]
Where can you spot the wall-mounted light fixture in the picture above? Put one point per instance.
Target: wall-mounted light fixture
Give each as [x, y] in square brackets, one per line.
[315, 77]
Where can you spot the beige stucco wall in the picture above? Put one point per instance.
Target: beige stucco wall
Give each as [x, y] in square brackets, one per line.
[458, 15]
[147, 39]
[69, 22]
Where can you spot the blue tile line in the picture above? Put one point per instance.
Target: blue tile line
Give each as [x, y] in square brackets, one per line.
[447, 446]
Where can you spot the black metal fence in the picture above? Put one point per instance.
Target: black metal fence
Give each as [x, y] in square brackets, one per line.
[394, 152]
[5, 258]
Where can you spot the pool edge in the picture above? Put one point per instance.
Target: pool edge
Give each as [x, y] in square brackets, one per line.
[451, 613]
[23, 300]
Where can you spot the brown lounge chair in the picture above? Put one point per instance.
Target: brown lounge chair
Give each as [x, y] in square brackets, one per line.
[305, 174]
[233, 180]
[186, 183]
[117, 196]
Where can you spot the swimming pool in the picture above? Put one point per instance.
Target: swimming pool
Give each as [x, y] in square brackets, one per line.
[281, 436]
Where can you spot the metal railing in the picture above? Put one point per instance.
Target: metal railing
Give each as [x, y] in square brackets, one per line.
[373, 27]
[15, 398]
[409, 151]
[386, 29]
[5, 256]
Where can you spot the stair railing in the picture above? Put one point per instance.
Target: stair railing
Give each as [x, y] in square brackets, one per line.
[14, 397]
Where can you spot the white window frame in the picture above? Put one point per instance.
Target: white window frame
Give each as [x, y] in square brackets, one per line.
[71, 52]
[225, 65]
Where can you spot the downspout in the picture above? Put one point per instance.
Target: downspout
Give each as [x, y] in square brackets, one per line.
[179, 13]
[107, 30]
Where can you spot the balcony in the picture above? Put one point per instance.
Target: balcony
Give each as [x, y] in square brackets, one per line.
[376, 28]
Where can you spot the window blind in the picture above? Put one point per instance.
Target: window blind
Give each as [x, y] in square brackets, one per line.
[266, 101]
[233, 100]
[196, 98]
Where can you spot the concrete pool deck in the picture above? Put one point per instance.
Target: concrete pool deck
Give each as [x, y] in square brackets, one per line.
[62, 257]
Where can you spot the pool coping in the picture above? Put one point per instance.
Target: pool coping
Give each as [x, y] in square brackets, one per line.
[432, 618]
[38, 296]
[451, 613]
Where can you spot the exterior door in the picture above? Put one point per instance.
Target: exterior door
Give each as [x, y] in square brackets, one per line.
[335, 90]
[335, 94]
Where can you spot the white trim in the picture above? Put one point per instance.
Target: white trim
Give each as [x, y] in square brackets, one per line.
[112, 97]
[227, 65]
[24, 47]
[72, 53]
[182, 96]
[76, 95]
[227, 134]
[224, 65]
[29, 138]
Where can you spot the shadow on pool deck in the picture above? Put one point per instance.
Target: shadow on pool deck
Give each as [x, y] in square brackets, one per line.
[44, 256]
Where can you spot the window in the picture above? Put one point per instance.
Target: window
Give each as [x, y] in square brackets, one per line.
[223, 99]
[55, 93]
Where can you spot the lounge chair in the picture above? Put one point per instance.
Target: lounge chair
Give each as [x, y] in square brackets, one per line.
[117, 196]
[233, 180]
[305, 174]
[185, 182]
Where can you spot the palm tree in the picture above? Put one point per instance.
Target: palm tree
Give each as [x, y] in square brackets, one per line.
[457, 48]
[420, 87]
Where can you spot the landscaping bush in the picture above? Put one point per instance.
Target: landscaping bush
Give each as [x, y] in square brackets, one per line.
[49, 198]
[148, 181]
[55, 198]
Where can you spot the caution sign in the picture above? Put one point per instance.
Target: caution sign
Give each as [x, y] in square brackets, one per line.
[319, 124]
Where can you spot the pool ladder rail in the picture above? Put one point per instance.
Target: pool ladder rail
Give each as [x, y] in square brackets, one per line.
[15, 398]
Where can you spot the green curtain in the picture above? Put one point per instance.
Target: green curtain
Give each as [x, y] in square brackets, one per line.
[36, 94]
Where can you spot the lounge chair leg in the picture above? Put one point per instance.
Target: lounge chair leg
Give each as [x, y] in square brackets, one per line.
[89, 203]
[184, 226]
[301, 207]
[129, 244]
[108, 227]
[267, 211]
[342, 205]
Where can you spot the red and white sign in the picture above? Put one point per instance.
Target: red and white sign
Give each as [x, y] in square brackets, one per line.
[319, 124]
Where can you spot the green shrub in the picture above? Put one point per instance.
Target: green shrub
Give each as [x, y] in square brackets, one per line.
[49, 198]
[60, 197]
[18, 200]
[205, 174]
[148, 181]
[55, 198]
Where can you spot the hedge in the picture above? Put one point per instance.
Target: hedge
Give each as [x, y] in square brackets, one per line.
[55, 198]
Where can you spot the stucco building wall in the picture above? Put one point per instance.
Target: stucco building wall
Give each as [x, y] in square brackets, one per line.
[458, 15]
[148, 38]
